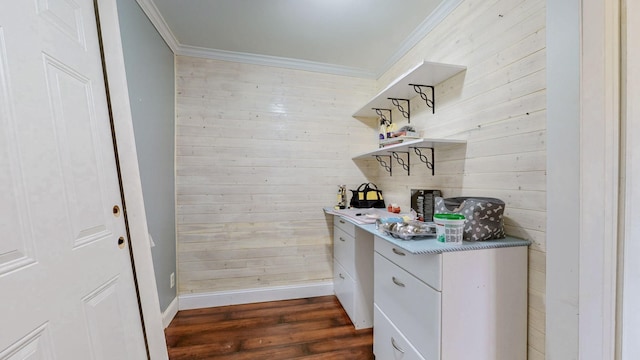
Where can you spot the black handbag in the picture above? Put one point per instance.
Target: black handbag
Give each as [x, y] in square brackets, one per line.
[367, 195]
[484, 216]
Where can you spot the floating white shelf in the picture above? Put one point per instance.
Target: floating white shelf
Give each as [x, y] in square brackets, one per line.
[407, 145]
[423, 148]
[426, 73]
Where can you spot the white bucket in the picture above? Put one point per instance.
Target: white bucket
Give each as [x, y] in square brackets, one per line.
[449, 228]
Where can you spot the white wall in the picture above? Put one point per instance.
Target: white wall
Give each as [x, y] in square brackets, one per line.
[260, 151]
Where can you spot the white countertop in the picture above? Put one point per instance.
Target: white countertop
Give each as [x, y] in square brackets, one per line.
[421, 246]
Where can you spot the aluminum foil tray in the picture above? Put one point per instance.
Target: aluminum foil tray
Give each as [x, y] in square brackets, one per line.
[411, 230]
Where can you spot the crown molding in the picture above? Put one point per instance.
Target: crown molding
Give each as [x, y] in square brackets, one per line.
[274, 61]
[443, 10]
[426, 26]
[152, 12]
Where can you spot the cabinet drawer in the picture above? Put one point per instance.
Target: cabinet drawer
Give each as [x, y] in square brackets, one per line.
[344, 287]
[411, 305]
[346, 226]
[344, 249]
[388, 341]
[426, 267]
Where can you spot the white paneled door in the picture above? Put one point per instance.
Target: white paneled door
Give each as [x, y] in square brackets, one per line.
[66, 282]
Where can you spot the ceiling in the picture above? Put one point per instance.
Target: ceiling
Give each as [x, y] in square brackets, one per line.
[348, 37]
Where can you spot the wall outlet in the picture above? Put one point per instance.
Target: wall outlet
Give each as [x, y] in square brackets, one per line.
[172, 279]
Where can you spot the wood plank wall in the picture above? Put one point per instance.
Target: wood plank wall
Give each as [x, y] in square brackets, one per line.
[499, 106]
[261, 150]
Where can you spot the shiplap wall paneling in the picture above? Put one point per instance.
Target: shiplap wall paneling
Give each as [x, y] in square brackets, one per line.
[242, 198]
[499, 106]
[260, 152]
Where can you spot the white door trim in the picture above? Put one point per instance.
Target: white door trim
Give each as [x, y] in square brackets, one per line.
[630, 283]
[599, 174]
[132, 187]
[582, 180]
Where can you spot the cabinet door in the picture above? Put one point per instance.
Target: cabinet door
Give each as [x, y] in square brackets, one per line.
[410, 304]
[388, 341]
[346, 226]
[344, 249]
[344, 287]
[426, 267]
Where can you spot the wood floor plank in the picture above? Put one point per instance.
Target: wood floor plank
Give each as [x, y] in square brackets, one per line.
[306, 329]
[206, 352]
[361, 339]
[296, 335]
[222, 325]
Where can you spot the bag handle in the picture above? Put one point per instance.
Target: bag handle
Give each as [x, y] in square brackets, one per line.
[369, 186]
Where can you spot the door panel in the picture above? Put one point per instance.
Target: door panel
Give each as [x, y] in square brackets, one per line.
[67, 286]
[66, 15]
[71, 98]
[102, 314]
[34, 346]
[16, 250]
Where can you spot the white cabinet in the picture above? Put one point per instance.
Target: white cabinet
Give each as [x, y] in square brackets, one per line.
[457, 305]
[353, 271]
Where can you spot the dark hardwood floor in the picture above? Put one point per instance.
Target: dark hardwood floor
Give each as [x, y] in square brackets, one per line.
[309, 329]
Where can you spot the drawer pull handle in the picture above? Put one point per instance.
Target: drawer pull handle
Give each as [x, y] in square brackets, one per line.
[341, 239]
[341, 276]
[397, 282]
[395, 346]
[398, 252]
[341, 221]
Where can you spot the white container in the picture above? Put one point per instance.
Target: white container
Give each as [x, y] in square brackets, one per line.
[449, 228]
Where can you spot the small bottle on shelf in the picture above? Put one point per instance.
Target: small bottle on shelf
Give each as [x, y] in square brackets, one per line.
[342, 197]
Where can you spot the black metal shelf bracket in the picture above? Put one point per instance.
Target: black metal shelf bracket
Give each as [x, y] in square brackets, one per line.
[431, 102]
[430, 164]
[405, 165]
[383, 116]
[406, 113]
[384, 164]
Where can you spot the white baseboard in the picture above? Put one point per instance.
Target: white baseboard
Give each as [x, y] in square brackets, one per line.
[170, 312]
[223, 298]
